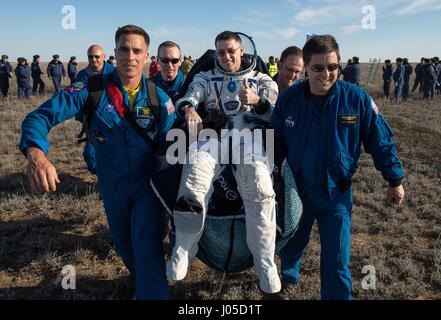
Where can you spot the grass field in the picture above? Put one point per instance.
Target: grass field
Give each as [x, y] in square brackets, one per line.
[39, 234]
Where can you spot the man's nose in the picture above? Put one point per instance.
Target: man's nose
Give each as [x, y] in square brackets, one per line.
[326, 72]
[131, 54]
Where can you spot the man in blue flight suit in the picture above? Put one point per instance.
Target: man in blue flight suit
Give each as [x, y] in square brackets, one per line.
[72, 69]
[23, 75]
[357, 70]
[170, 78]
[37, 82]
[408, 70]
[322, 123]
[291, 68]
[124, 158]
[353, 71]
[398, 77]
[438, 76]
[55, 70]
[5, 74]
[97, 65]
[429, 79]
[387, 77]
[345, 74]
[419, 75]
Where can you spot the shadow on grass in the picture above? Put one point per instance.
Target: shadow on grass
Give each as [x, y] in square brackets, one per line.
[17, 184]
[86, 288]
[42, 240]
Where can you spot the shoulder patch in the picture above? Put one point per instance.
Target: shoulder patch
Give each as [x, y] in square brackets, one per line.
[76, 87]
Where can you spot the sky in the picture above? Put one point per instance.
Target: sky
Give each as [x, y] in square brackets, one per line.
[367, 29]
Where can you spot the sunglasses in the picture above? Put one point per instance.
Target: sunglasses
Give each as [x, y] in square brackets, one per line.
[167, 60]
[92, 56]
[230, 51]
[320, 67]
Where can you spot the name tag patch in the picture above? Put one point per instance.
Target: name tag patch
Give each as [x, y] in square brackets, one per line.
[348, 118]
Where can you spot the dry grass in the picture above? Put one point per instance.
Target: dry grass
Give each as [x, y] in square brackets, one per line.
[41, 234]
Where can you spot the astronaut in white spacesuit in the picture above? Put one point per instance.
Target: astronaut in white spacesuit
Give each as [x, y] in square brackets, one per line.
[236, 95]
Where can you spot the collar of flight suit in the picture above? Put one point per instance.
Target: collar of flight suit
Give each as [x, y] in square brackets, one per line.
[140, 97]
[335, 89]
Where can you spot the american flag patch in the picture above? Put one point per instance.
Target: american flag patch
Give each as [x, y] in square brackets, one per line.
[170, 107]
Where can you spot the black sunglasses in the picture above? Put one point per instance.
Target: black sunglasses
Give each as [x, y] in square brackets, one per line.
[320, 67]
[92, 56]
[167, 60]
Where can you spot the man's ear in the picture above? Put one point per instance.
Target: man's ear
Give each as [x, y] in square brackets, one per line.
[147, 57]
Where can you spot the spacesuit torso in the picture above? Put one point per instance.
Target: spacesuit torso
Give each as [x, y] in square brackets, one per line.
[217, 89]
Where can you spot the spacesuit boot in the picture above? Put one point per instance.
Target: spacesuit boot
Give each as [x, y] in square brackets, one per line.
[182, 257]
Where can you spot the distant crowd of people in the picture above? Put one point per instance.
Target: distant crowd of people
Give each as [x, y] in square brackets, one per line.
[427, 73]
[55, 72]
[427, 78]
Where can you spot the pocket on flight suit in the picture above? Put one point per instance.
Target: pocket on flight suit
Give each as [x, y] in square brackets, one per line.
[109, 144]
[344, 168]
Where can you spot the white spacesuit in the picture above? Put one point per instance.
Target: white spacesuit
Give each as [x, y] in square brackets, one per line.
[213, 90]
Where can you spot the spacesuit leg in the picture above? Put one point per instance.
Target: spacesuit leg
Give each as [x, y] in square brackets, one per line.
[255, 187]
[190, 210]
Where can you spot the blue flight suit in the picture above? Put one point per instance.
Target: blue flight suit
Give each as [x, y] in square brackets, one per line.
[170, 87]
[357, 73]
[419, 70]
[124, 167]
[398, 77]
[347, 73]
[56, 71]
[352, 73]
[72, 72]
[387, 78]
[408, 70]
[37, 82]
[23, 75]
[5, 70]
[87, 72]
[438, 85]
[83, 76]
[322, 136]
[429, 81]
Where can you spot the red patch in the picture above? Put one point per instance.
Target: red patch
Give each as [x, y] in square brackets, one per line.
[117, 98]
